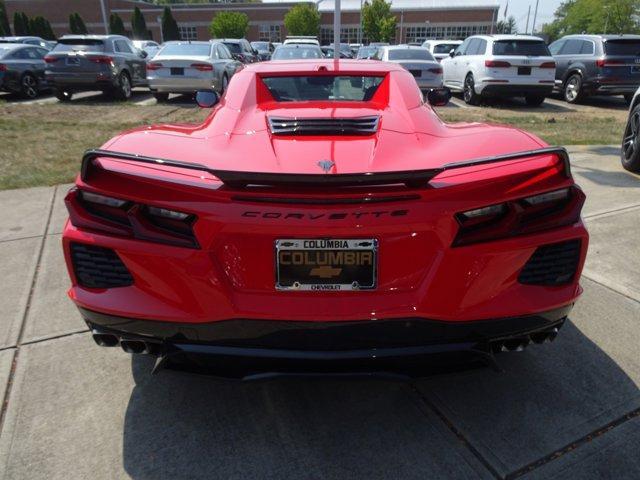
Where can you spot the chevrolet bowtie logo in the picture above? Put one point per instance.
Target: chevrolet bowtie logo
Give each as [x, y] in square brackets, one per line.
[325, 271]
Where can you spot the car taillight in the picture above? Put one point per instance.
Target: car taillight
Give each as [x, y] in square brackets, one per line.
[496, 64]
[203, 67]
[531, 214]
[125, 218]
[548, 65]
[51, 59]
[603, 62]
[436, 70]
[154, 66]
[102, 59]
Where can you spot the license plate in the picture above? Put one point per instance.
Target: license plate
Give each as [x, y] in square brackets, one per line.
[177, 71]
[73, 61]
[524, 70]
[416, 73]
[326, 264]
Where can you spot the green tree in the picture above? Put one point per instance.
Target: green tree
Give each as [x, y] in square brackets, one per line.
[116, 25]
[378, 23]
[303, 19]
[139, 26]
[76, 25]
[229, 24]
[40, 27]
[508, 26]
[170, 29]
[594, 16]
[21, 24]
[5, 28]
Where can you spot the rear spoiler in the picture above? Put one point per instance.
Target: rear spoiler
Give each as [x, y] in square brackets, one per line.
[240, 179]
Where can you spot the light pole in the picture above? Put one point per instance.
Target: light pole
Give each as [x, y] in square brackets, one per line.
[360, 26]
[336, 30]
[104, 17]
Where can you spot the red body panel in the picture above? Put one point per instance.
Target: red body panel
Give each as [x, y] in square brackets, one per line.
[420, 273]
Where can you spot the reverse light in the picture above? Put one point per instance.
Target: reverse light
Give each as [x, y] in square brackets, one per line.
[154, 66]
[535, 213]
[172, 214]
[102, 199]
[496, 64]
[202, 67]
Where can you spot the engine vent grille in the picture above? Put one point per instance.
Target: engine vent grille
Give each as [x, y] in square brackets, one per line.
[554, 264]
[98, 267]
[324, 126]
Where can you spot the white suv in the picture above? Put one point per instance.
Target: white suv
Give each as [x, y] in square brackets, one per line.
[501, 65]
[440, 49]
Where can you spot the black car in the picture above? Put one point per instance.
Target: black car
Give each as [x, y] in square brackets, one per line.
[264, 49]
[95, 62]
[22, 69]
[597, 65]
[328, 52]
[241, 50]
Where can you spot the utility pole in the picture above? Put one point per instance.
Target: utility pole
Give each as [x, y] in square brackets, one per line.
[401, 24]
[535, 15]
[360, 29]
[104, 17]
[336, 30]
[526, 30]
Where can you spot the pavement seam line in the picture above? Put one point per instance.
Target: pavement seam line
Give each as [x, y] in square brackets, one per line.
[30, 237]
[16, 353]
[55, 337]
[458, 434]
[589, 437]
[585, 275]
[612, 212]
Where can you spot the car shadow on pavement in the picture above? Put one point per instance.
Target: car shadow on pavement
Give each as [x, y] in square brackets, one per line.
[621, 178]
[187, 426]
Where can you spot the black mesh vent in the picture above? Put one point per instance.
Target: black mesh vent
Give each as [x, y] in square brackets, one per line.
[98, 267]
[324, 126]
[553, 264]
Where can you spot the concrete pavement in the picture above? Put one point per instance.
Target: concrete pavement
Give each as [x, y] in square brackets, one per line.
[570, 409]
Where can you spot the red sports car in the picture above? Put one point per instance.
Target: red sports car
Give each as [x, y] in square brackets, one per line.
[323, 219]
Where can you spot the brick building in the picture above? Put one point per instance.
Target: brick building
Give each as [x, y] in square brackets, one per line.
[416, 19]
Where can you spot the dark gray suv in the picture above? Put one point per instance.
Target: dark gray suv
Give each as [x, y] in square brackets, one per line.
[95, 62]
[597, 65]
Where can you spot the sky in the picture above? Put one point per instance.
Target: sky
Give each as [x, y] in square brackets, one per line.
[519, 8]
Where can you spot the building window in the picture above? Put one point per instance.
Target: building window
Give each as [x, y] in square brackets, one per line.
[347, 35]
[269, 33]
[416, 34]
[188, 33]
[326, 35]
[436, 32]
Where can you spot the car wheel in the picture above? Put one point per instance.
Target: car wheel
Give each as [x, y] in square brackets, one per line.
[161, 97]
[63, 95]
[573, 89]
[469, 93]
[225, 84]
[29, 86]
[122, 90]
[630, 152]
[628, 97]
[534, 100]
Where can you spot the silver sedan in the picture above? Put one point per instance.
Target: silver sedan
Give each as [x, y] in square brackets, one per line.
[186, 67]
[418, 60]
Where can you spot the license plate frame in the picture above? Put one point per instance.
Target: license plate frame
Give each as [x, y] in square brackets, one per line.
[72, 61]
[635, 69]
[326, 264]
[524, 70]
[177, 71]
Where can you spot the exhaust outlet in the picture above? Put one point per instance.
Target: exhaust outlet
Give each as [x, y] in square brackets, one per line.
[134, 346]
[105, 339]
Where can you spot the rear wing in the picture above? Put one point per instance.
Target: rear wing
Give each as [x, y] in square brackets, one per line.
[241, 179]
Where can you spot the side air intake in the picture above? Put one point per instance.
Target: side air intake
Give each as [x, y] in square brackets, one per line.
[324, 126]
[98, 267]
[550, 265]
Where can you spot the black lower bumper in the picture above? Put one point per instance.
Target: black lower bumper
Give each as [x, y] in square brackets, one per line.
[256, 348]
[512, 90]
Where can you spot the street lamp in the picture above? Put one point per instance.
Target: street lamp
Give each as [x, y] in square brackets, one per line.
[336, 27]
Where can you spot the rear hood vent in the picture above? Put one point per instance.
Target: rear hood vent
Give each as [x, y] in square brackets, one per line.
[324, 126]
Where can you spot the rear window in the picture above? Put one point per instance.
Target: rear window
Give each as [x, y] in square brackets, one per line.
[5, 50]
[296, 53]
[79, 45]
[260, 46]
[410, 54]
[622, 47]
[444, 47]
[332, 88]
[530, 48]
[234, 47]
[186, 49]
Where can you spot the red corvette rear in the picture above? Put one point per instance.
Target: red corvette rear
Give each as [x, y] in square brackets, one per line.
[323, 219]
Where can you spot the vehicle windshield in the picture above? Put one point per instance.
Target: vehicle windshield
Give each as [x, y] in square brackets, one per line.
[79, 45]
[297, 52]
[444, 47]
[261, 46]
[325, 87]
[622, 47]
[410, 54]
[186, 49]
[529, 48]
[366, 52]
[233, 47]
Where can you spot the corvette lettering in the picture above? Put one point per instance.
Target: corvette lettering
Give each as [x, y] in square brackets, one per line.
[323, 216]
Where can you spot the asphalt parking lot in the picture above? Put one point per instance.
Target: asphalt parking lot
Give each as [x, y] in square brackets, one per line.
[569, 409]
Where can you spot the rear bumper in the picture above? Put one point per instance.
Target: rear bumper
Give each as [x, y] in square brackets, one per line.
[611, 88]
[254, 348]
[514, 90]
[80, 82]
[181, 85]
